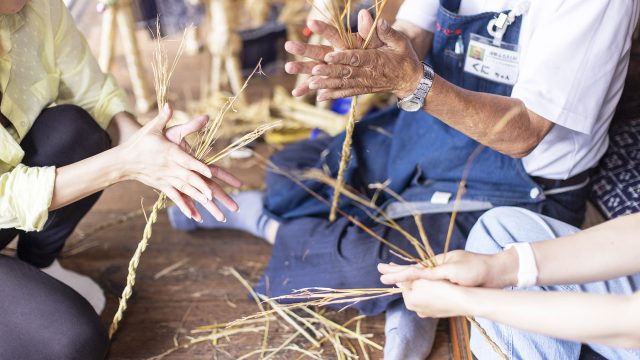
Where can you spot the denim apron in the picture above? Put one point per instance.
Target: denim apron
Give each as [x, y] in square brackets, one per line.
[417, 154]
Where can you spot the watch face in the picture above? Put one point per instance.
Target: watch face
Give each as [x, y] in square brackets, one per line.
[411, 106]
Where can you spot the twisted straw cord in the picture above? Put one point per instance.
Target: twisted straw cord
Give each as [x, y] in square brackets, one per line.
[134, 262]
[344, 158]
[486, 336]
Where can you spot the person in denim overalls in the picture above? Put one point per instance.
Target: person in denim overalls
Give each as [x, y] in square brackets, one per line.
[420, 157]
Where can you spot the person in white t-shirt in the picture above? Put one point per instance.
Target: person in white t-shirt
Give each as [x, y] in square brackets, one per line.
[536, 83]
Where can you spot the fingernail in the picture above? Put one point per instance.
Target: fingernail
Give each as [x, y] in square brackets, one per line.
[329, 57]
[224, 220]
[201, 221]
[384, 25]
[165, 108]
[313, 85]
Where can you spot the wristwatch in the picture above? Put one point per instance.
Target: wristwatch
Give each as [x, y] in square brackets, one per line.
[415, 101]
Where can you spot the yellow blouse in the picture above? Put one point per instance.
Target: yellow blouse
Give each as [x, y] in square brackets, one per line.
[44, 60]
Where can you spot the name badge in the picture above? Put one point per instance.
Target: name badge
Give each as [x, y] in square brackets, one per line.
[495, 63]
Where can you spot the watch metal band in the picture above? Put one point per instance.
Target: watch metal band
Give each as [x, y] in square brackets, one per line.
[416, 100]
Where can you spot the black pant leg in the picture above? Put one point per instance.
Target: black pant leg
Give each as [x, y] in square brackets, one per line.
[6, 235]
[61, 136]
[44, 319]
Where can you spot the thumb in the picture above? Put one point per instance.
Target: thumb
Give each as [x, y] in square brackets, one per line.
[366, 28]
[389, 36]
[161, 121]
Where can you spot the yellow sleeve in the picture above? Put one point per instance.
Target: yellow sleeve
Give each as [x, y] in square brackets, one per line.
[82, 82]
[25, 197]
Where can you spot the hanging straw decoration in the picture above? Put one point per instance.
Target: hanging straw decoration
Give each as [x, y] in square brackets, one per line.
[202, 150]
[338, 13]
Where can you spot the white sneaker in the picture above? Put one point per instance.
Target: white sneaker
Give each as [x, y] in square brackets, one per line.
[82, 284]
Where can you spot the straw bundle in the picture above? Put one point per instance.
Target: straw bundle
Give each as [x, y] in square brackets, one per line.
[202, 150]
[338, 12]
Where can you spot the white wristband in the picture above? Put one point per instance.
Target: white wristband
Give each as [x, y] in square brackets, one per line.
[527, 268]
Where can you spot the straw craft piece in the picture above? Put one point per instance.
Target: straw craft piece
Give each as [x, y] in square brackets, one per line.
[202, 150]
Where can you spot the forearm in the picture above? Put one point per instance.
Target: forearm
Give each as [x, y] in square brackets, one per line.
[604, 319]
[499, 122]
[83, 178]
[611, 249]
[603, 252]
[122, 126]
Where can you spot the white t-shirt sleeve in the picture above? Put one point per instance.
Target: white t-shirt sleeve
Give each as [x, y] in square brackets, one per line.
[570, 59]
[421, 13]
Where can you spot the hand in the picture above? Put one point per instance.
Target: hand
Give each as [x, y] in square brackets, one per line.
[392, 67]
[159, 158]
[462, 268]
[436, 299]
[317, 53]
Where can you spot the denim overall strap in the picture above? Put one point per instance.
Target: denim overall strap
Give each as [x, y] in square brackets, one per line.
[440, 151]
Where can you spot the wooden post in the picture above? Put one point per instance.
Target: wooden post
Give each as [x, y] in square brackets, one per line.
[225, 46]
[107, 39]
[126, 26]
[121, 14]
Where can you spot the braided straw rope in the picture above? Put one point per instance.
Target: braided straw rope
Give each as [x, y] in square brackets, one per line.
[345, 156]
[135, 261]
[486, 336]
[346, 145]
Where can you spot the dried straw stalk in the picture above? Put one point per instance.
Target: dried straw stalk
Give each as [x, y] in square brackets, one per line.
[203, 151]
[326, 296]
[311, 325]
[337, 17]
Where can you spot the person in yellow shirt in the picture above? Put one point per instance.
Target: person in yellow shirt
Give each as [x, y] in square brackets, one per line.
[66, 135]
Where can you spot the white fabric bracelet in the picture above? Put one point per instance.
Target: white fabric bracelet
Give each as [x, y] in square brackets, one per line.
[527, 268]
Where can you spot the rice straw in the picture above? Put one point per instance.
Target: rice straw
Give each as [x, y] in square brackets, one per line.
[206, 139]
[347, 37]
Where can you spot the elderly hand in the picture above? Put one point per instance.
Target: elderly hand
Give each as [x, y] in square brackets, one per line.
[436, 299]
[317, 52]
[462, 268]
[389, 64]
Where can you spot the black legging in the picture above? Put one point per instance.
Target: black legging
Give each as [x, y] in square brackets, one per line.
[41, 318]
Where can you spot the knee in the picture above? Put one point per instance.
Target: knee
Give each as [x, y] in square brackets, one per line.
[65, 134]
[83, 338]
[495, 230]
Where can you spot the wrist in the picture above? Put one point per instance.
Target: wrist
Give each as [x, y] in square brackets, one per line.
[117, 166]
[504, 269]
[410, 86]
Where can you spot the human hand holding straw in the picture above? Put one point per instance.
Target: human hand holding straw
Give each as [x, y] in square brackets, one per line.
[388, 64]
[443, 290]
[160, 158]
[316, 53]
